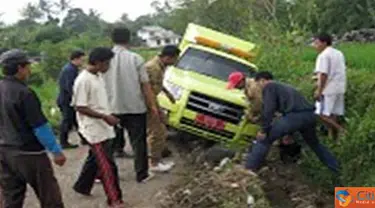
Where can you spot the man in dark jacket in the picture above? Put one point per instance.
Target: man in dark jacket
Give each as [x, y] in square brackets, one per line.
[24, 138]
[66, 80]
[297, 116]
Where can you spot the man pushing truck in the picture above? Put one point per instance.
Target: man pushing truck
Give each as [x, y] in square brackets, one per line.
[289, 149]
[156, 128]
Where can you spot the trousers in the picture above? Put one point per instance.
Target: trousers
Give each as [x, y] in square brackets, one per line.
[136, 125]
[157, 134]
[302, 122]
[100, 158]
[68, 122]
[17, 170]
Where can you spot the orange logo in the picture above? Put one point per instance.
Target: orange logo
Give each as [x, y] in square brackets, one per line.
[354, 197]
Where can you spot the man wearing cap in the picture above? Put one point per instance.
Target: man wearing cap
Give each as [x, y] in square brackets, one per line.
[66, 80]
[297, 115]
[156, 128]
[252, 93]
[24, 138]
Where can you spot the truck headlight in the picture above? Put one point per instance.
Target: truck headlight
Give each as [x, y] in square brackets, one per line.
[175, 90]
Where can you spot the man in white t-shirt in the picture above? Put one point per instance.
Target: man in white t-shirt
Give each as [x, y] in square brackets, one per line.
[330, 73]
[96, 124]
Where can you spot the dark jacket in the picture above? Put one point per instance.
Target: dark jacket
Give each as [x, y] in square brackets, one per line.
[284, 99]
[66, 81]
[20, 113]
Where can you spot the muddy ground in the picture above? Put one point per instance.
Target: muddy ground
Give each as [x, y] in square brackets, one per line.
[283, 185]
[287, 187]
[278, 185]
[137, 195]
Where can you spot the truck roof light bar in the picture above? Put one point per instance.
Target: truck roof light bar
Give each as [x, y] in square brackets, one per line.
[217, 45]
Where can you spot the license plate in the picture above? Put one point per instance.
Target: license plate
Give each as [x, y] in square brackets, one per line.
[210, 122]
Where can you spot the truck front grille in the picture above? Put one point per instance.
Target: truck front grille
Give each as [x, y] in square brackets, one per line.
[214, 107]
[229, 135]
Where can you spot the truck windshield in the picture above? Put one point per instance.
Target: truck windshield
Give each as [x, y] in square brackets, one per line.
[212, 65]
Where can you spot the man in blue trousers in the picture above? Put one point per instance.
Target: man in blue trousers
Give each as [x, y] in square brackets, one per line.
[66, 80]
[297, 116]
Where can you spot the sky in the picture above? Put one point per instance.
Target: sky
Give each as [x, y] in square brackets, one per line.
[110, 10]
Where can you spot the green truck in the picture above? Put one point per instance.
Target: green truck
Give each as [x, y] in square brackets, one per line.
[202, 105]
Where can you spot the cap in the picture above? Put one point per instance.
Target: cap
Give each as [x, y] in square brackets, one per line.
[234, 79]
[14, 56]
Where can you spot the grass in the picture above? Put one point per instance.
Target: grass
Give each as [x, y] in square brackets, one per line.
[358, 55]
[355, 152]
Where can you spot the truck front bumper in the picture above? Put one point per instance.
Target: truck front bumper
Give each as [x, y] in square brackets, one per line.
[180, 118]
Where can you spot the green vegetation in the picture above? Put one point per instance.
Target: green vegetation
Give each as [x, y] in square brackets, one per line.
[358, 55]
[47, 89]
[356, 148]
[281, 29]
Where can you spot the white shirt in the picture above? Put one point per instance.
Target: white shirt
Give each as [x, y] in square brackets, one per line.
[332, 62]
[123, 82]
[89, 91]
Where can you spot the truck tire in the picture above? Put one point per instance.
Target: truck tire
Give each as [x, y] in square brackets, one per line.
[217, 153]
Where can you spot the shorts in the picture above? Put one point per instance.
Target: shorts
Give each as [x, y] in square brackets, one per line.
[330, 105]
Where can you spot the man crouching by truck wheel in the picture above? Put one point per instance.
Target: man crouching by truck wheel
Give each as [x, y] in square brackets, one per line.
[297, 116]
[288, 147]
[156, 128]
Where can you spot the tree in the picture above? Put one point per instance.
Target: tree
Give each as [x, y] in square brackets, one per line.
[64, 5]
[348, 15]
[126, 21]
[51, 8]
[1, 22]
[47, 7]
[76, 21]
[31, 12]
[44, 10]
[143, 21]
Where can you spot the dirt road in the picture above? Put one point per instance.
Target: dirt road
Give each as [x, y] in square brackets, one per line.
[137, 195]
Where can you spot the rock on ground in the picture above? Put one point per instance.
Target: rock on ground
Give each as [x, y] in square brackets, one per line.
[361, 35]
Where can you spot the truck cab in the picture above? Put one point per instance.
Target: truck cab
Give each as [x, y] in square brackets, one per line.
[202, 105]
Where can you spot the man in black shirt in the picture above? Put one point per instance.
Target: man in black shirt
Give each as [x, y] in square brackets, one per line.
[66, 80]
[297, 116]
[24, 138]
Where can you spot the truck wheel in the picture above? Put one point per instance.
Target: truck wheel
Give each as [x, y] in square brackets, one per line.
[217, 153]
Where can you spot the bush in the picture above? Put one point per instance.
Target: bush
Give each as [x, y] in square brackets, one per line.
[55, 56]
[51, 33]
[37, 76]
[48, 94]
[294, 64]
[44, 74]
